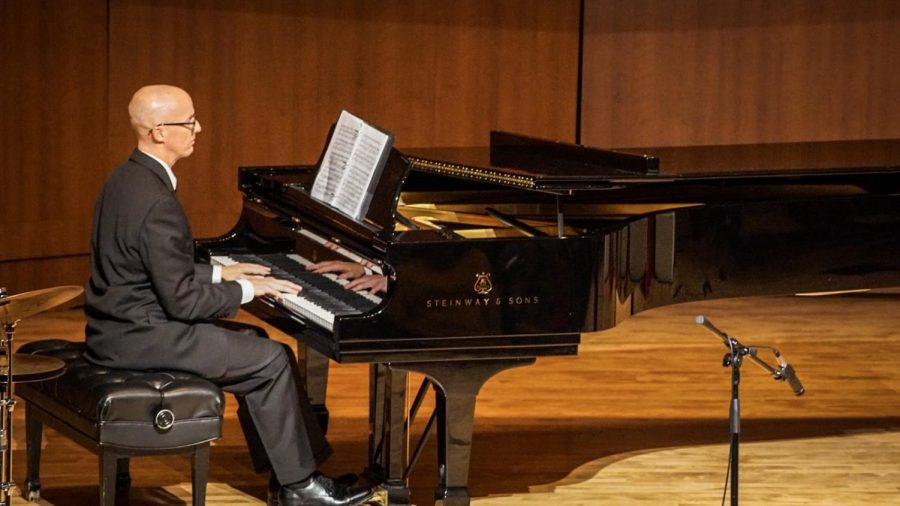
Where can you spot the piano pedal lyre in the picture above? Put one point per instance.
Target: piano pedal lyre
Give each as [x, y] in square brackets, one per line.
[380, 497]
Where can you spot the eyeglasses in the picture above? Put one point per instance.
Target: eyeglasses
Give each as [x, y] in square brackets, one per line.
[192, 125]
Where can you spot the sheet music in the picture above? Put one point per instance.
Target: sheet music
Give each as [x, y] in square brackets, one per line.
[352, 161]
[337, 155]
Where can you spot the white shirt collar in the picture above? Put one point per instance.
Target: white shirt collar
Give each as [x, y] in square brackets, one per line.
[165, 165]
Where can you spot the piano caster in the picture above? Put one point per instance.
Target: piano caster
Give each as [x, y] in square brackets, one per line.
[380, 497]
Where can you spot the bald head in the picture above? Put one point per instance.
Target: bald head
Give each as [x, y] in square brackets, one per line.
[162, 117]
[154, 104]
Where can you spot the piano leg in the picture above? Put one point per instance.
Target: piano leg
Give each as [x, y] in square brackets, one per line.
[459, 383]
[314, 373]
[387, 439]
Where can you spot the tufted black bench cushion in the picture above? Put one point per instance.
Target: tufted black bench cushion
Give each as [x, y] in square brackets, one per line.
[119, 413]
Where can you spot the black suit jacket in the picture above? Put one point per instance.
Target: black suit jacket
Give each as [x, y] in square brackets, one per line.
[147, 303]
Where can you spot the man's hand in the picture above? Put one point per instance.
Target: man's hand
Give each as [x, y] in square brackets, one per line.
[237, 271]
[374, 283]
[273, 287]
[346, 270]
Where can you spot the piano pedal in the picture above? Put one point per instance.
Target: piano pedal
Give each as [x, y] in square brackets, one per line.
[380, 497]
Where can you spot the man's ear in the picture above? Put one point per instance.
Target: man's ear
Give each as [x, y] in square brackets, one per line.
[158, 135]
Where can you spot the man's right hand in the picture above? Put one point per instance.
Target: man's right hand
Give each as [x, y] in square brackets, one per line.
[243, 270]
[273, 287]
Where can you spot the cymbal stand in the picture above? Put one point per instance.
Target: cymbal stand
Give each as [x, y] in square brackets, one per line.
[7, 403]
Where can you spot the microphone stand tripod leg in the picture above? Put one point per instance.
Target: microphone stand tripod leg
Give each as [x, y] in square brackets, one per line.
[734, 361]
[735, 433]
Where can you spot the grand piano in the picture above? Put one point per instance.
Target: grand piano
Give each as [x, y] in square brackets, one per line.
[499, 255]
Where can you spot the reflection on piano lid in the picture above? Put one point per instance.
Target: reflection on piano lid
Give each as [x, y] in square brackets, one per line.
[323, 296]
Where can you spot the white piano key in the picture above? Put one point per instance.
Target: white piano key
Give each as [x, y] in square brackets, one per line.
[222, 260]
[309, 309]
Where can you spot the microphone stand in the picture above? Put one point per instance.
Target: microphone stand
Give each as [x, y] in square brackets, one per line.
[734, 358]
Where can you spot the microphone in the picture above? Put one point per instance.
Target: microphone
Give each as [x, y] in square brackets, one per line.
[786, 373]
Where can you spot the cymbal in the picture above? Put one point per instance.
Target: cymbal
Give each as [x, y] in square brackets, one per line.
[21, 305]
[27, 367]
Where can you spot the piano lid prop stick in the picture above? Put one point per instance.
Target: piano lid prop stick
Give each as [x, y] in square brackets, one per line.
[515, 223]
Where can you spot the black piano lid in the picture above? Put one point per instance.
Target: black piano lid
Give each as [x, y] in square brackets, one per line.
[532, 163]
[526, 162]
[287, 188]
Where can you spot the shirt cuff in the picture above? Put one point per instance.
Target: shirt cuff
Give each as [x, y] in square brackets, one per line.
[246, 290]
[217, 274]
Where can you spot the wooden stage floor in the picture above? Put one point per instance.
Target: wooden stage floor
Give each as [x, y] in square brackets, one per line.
[640, 416]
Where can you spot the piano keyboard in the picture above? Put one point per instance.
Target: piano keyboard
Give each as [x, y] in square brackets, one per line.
[323, 296]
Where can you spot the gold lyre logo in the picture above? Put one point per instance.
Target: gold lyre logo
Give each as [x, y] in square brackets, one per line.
[483, 284]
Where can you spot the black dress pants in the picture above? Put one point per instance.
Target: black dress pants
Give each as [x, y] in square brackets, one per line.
[277, 419]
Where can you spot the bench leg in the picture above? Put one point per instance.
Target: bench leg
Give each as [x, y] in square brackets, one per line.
[199, 474]
[108, 466]
[123, 476]
[34, 431]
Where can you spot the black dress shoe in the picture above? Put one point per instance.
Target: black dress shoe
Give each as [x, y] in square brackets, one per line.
[319, 490]
[345, 480]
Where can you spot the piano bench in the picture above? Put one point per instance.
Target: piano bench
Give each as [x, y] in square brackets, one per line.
[120, 413]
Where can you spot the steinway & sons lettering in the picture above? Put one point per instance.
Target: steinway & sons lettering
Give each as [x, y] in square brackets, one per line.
[482, 302]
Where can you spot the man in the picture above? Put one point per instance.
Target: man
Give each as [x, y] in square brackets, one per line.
[149, 306]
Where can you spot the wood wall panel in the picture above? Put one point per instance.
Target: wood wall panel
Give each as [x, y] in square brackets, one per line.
[728, 71]
[19, 276]
[268, 78]
[52, 124]
[53, 138]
